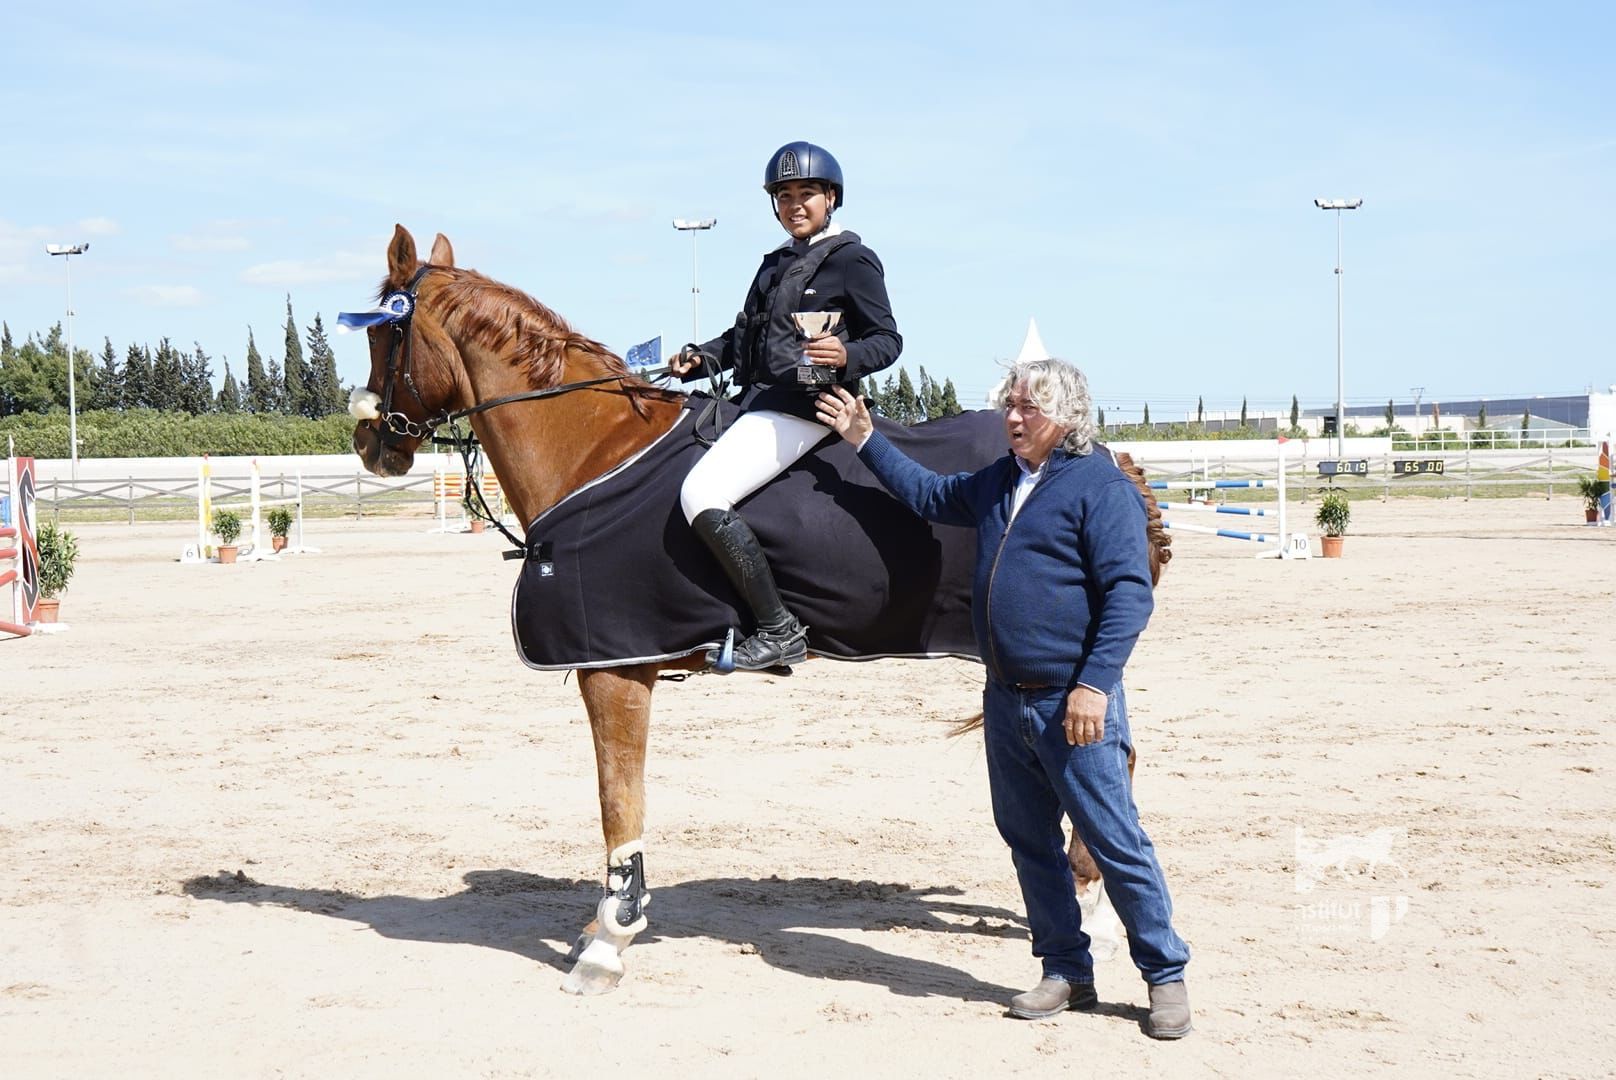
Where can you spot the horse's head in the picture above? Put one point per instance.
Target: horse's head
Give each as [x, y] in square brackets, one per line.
[416, 373]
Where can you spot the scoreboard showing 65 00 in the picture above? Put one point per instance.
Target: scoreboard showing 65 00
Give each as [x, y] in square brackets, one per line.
[1417, 466]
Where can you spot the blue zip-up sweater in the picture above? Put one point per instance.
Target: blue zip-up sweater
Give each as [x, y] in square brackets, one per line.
[1062, 592]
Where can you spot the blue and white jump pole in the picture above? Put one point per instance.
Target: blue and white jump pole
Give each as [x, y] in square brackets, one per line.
[1282, 544]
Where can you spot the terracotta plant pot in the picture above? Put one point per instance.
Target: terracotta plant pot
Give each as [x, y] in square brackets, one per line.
[47, 611]
[1332, 546]
[276, 543]
[1591, 516]
[227, 553]
[478, 524]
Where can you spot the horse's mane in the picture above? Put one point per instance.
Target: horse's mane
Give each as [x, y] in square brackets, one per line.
[510, 323]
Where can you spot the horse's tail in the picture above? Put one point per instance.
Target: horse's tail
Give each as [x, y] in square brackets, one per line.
[965, 727]
[1161, 553]
[1161, 544]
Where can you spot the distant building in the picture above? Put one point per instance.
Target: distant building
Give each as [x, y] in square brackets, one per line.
[1568, 412]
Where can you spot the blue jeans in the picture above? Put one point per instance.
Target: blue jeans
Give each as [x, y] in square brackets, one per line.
[1035, 776]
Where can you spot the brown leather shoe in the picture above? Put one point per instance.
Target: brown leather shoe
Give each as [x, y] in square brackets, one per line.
[1169, 1011]
[1051, 997]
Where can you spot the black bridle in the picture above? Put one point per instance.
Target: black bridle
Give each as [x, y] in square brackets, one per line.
[400, 369]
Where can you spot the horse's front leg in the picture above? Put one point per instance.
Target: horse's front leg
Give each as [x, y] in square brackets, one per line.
[619, 705]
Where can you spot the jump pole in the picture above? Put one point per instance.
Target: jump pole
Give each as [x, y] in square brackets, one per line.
[1607, 503]
[1286, 544]
[254, 550]
[17, 532]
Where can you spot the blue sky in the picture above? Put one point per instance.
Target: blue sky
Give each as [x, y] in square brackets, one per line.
[1139, 180]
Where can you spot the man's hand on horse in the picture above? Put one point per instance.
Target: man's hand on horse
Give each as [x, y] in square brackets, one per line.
[827, 351]
[1085, 715]
[845, 414]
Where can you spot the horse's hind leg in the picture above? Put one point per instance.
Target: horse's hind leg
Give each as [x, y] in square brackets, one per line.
[619, 705]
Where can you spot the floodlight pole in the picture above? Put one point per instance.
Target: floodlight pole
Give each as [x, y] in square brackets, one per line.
[67, 251]
[694, 228]
[1339, 205]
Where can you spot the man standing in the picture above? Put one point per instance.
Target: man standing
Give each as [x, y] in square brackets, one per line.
[1062, 590]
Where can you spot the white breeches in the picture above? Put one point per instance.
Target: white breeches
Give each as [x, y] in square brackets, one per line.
[759, 446]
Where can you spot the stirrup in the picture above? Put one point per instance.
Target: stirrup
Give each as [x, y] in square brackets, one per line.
[776, 648]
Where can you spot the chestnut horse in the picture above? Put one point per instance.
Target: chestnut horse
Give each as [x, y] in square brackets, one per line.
[553, 410]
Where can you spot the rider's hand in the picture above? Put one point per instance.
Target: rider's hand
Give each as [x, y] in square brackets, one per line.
[827, 351]
[845, 414]
[684, 361]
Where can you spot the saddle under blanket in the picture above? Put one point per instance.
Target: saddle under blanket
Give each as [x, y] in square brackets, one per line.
[616, 576]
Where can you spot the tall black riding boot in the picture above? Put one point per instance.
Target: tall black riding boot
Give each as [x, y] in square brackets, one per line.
[781, 639]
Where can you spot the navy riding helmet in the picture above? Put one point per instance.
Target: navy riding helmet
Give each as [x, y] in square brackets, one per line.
[804, 161]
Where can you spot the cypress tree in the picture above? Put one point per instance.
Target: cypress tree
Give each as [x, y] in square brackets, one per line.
[1526, 420]
[907, 409]
[1242, 412]
[1391, 415]
[109, 384]
[260, 393]
[328, 396]
[7, 349]
[871, 388]
[137, 378]
[1296, 413]
[198, 397]
[1200, 410]
[298, 399]
[1146, 420]
[276, 387]
[167, 381]
[931, 396]
[1481, 417]
[229, 399]
[951, 405]
[1101, 420]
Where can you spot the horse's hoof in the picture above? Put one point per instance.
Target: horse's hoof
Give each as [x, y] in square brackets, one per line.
[598, 971]
[579, 946]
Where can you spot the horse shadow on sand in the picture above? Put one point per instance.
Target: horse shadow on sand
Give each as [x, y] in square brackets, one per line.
[777, 918]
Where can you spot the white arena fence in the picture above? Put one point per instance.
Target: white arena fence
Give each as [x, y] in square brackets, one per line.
[151, 489]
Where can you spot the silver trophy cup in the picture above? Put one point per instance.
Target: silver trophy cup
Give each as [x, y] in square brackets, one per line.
[810, 325]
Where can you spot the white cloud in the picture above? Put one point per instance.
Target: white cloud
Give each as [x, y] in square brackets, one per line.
[99, 226]
[167, 295]
[341, 266]
[208, 242]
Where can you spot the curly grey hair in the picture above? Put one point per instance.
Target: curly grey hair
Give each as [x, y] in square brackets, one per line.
[1061, 392]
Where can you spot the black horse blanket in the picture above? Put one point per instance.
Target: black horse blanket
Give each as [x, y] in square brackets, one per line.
[615, 576]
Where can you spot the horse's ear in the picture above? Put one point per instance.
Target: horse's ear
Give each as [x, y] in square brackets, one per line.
[442, 253]
[401, 257]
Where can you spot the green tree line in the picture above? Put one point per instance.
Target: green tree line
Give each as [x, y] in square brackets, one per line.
[898, 398]
[167, 379]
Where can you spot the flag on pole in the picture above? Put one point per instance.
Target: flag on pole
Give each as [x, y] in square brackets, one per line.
[646, 354]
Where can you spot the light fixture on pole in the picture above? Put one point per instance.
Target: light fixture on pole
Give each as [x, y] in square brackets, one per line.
[67, 251]
[694, 228]
[1338, 205]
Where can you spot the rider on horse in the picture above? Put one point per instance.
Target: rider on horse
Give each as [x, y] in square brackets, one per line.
[820, 268]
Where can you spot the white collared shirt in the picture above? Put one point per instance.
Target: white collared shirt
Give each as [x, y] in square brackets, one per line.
[1024, 484]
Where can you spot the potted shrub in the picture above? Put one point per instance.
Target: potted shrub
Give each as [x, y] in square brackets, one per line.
[474, 520]
[280, 523]
[58, 553]
[1332, 516]
[227, 527]
[1591, 490]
